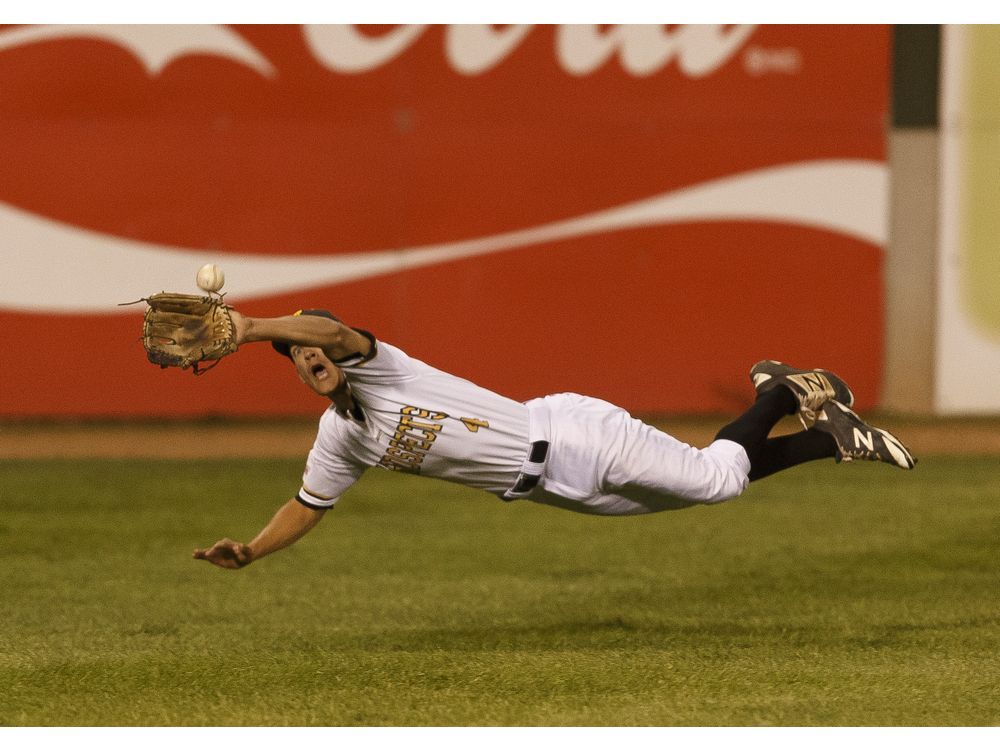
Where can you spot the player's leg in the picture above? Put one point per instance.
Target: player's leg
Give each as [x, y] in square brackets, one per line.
[783, 390]
[753, 426]
[655, 471]
[602, 460]
[769, 455]
[614, 464]
[780, 453]
[823, 402]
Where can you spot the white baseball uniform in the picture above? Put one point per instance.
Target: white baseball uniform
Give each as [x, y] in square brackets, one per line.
[566, 450]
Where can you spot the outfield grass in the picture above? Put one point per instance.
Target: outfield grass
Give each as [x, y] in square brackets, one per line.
[851, 595]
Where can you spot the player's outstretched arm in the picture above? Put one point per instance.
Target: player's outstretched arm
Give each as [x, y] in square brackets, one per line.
[333, 337]
[292, 521]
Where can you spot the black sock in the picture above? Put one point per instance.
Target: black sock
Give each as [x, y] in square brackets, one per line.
[752, 427]
[766, 456]
[790, 450]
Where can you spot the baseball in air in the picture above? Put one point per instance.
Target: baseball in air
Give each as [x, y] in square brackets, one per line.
[211, 278]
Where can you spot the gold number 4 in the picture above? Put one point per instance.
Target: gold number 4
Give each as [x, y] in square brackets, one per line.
[473, 425]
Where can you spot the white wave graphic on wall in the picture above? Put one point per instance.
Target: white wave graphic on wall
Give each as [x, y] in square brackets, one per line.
[154, 45]
[51, 267]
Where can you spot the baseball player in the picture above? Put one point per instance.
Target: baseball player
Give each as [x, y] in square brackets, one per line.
[397, 413]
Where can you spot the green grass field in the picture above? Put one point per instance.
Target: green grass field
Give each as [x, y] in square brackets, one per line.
[830, 595]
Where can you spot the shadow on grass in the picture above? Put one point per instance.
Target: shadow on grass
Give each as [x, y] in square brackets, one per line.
[617, 633]
[591, 635]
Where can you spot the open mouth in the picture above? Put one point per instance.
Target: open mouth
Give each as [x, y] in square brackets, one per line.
[319, 372]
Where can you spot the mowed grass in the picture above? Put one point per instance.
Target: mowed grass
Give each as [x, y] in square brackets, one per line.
[829, 595]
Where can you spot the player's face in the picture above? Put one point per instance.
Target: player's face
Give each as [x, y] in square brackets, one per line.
[315, 369]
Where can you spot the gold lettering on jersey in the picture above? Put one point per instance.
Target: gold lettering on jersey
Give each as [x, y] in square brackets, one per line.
[413, 411]
[411, 444]
[410, 424]
[413, 438]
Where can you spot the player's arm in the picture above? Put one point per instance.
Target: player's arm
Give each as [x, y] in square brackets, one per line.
[334, 338]
[292, 521]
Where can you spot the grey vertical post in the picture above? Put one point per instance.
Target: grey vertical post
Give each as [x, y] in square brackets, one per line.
[910, 278]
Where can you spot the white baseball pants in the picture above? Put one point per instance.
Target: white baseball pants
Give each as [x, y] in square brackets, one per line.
[603, 461]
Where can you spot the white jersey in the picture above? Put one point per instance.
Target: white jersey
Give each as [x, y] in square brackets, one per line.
[420, 420]
[566, 450]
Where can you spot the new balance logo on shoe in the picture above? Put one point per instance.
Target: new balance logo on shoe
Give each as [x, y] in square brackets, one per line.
[812, 382]
[812, 388]
[867, 439]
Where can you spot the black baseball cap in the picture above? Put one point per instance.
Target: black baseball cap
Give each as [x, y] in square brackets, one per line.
[283, 347]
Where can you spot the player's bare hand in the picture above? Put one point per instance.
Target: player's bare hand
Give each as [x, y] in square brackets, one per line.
[226, 554]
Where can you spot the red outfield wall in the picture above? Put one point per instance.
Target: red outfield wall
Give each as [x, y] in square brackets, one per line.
[633, 213]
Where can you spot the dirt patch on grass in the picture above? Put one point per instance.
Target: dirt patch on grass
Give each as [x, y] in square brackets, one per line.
[293, 437]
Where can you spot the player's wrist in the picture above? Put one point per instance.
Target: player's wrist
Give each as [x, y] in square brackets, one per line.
[243, 326]
[249, 555]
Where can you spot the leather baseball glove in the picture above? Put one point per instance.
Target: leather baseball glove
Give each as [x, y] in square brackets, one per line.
[184, 330]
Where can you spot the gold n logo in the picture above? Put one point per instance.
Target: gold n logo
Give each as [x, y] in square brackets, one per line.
[811, 381]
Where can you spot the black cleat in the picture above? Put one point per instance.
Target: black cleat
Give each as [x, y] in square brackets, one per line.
[812, 388]
[857, 440]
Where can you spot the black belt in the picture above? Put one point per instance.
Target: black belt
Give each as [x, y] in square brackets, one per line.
[531, 471]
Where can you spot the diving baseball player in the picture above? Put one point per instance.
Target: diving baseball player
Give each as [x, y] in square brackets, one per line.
[397, 413]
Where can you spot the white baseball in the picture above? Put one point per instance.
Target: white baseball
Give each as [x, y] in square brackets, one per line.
[210, 278]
